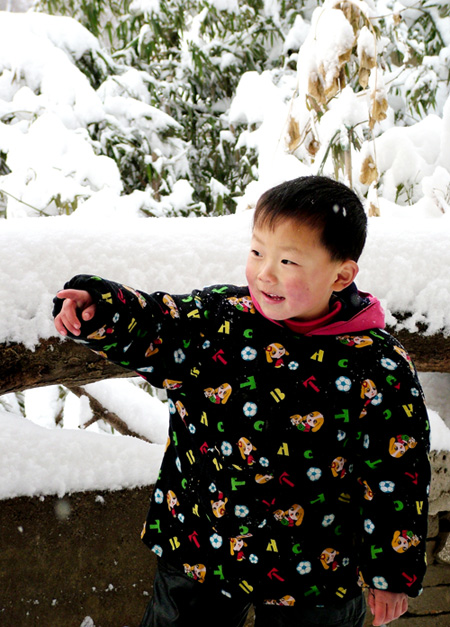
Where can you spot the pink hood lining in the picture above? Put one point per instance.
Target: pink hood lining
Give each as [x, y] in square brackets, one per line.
[369, 317]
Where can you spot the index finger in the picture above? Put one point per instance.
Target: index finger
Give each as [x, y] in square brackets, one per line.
[72, 294]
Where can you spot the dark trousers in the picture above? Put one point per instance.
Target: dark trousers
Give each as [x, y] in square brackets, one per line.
[178, 601]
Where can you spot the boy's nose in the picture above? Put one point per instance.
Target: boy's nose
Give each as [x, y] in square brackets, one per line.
[267, 274]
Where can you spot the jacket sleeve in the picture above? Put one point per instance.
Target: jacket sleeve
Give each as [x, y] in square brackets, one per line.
[393, 471]
[152, 334]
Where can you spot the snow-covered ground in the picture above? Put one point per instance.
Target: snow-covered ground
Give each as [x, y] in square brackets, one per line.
[406, 262]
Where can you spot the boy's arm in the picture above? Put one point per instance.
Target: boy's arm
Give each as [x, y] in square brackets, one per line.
[393, 471]
[142, 332]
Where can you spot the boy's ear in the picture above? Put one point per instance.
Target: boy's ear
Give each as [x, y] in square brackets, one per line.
[346, 275]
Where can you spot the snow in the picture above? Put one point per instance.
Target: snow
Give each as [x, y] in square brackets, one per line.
[405, 262]
[36, 461]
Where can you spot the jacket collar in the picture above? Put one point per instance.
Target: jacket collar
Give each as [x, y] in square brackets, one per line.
[351, 311]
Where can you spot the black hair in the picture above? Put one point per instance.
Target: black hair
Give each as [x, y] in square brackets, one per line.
[320, 203]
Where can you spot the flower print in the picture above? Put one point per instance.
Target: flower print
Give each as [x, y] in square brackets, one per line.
[345, 561]
[327, 520]
[303, 568]
[171, 405]
[387, 486]
[369, 527]
[293, 365]
[264, 462]
[415, 392]
[341, 435]
[241, 511]
[226, 448]
[366, 441]
[212, 487]
[377, 400]
[254, 559]
[250, 409]
[158, 496]
[192, 428]
[179, 356]
[216, 541]
[380, 583]
[248, 353]
[206, 344]
[343, 384]
[157, 549]
[181, 517]
[389, 364]
[314, 474]
[145, 369]
[178, 464]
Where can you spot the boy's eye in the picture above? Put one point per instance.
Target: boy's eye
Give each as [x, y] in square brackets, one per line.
[287, 262]
[256, 253]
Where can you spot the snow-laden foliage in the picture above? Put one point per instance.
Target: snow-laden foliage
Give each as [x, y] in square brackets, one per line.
[204, 96]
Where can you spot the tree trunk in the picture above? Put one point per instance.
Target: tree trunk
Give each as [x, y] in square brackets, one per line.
[67, 363]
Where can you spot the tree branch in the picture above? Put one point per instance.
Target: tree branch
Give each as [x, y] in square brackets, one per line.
[56, 361]
[101, 413]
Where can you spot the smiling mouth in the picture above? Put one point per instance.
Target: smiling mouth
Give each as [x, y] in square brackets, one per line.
[273, 297]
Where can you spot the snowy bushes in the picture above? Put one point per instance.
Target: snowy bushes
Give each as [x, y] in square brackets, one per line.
[220, 99]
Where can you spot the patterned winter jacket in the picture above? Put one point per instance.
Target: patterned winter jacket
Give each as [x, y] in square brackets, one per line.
[296, 467]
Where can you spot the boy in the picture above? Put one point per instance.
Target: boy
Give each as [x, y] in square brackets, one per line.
[296, 471]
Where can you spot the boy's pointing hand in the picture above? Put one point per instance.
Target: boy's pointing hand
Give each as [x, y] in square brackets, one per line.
[75, 301]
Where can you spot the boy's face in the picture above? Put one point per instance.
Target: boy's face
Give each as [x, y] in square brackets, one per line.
[291, 274]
